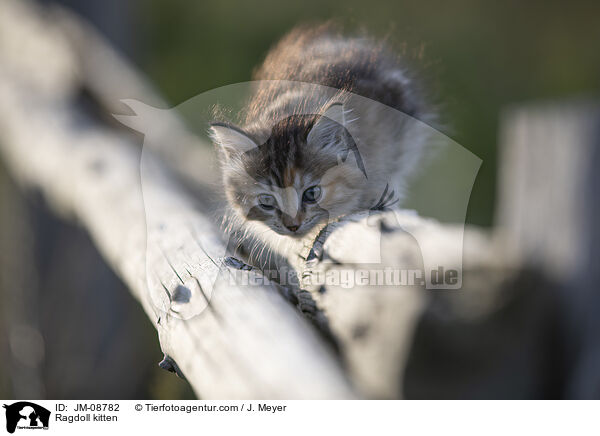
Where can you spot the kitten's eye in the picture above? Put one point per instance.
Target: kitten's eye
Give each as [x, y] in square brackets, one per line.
[312, 194]
[266, 201]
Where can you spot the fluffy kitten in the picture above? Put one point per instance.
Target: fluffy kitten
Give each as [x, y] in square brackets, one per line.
[313, 145]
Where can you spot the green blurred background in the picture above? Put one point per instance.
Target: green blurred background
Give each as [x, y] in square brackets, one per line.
[476, 57]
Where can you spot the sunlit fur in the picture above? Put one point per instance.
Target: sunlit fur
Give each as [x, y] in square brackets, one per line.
[289, 141]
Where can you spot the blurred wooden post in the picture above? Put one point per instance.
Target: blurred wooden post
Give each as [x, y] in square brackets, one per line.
[546, 158]
[549, 193]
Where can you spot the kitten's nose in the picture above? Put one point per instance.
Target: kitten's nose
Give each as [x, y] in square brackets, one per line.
[291, 223]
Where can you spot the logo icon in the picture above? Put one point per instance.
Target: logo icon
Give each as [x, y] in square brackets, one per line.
[26, 415]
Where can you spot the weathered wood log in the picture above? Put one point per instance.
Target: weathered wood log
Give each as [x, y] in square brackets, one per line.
[236, 342]
[373, 307]
[229, 340]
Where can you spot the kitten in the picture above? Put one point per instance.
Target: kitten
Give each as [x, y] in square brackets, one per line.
[313, 145]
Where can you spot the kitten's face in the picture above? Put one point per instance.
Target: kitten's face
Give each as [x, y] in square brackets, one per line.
[304, 175]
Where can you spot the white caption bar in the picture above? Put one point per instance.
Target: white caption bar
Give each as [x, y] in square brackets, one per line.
[301, 417]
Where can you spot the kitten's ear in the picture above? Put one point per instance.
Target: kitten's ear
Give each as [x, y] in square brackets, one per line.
[329, 126]
[231, 139]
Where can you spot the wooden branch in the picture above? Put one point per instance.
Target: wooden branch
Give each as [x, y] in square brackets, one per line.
[374, 324]
[229, 340]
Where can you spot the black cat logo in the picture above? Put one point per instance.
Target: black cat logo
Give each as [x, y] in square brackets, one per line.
[26, 415]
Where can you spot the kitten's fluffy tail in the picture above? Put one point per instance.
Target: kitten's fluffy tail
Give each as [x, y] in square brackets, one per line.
[324, 55]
